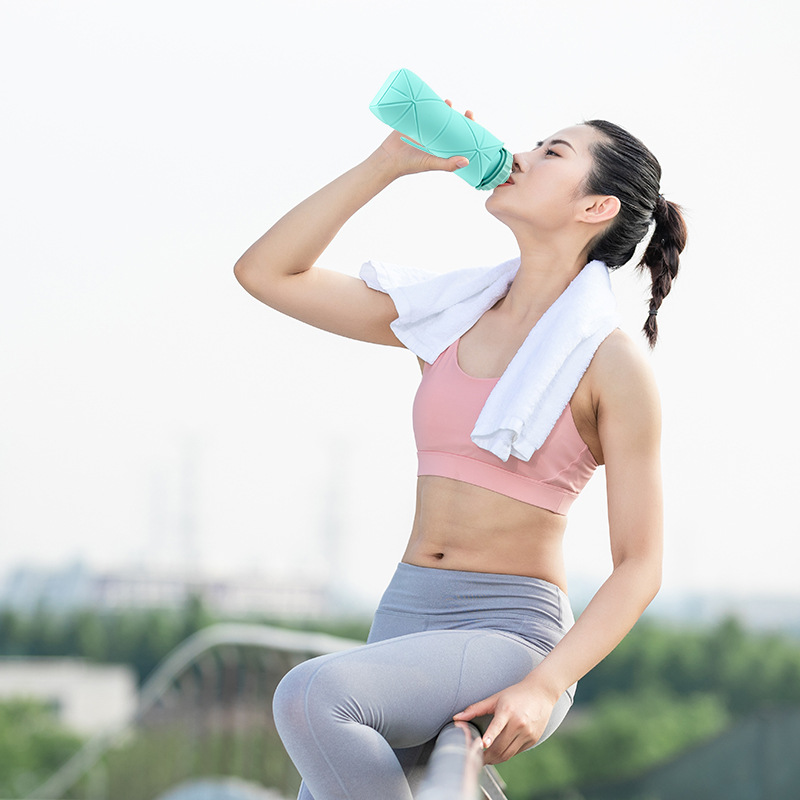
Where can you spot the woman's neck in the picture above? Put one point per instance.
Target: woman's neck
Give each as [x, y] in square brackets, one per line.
[544, 274]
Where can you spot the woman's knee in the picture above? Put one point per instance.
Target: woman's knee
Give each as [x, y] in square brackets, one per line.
[316, 688]
[289, 698]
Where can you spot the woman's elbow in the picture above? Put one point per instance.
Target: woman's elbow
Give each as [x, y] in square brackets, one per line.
[655, 583]
[253, 278]
[644, 575]
[242, 270]
[652, 575]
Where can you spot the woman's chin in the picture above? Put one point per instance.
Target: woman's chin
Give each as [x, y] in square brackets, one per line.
[491, 206]
[497, 211]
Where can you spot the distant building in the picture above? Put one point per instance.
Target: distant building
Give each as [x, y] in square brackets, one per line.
[27, 588]
[88, 698]
[76, 587]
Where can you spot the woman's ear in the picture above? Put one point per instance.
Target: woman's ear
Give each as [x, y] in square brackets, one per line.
[599, 208]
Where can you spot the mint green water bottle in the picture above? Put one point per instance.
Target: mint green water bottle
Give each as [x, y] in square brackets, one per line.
[407, 104]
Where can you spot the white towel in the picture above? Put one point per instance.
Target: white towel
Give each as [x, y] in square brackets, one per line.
[434, 309]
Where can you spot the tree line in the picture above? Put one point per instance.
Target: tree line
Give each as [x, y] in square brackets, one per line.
[746, 670]
[137, 637]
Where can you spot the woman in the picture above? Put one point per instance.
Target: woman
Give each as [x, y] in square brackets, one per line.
[476, 622]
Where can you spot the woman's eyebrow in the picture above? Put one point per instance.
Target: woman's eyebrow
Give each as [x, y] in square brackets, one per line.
[558, 141]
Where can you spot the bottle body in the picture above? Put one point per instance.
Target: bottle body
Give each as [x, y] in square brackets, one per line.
[407, 104]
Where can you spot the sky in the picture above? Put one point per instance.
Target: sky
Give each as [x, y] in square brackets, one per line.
[146, 396]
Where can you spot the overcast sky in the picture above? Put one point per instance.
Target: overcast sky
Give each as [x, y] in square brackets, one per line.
[145, 145]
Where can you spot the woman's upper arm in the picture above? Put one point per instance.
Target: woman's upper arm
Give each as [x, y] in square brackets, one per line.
[329, 300]
[629, 426]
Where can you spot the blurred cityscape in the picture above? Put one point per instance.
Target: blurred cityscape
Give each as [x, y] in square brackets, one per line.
[77, 586]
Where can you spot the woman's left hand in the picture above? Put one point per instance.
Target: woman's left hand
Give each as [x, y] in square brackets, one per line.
[519, 716]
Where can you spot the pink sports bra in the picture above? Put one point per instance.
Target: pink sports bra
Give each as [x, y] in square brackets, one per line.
[446, 406]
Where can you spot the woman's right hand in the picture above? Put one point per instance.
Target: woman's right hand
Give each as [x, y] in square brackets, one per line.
[407, 159]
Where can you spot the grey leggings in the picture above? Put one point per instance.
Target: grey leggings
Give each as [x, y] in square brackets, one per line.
[358, 724]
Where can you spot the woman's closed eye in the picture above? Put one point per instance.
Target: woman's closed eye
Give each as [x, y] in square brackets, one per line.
[548, 151]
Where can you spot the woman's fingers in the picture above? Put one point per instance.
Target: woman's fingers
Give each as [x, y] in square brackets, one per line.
[495, 730]
[505, 747]
[519, 718]
[501, 743]
[499, 739]
[507, 735]
[395, 145]
[468, 113]
[478, 709]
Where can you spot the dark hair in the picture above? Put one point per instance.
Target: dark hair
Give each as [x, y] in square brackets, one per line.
[625, 168]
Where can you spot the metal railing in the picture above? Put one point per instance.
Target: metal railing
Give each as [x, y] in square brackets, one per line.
[455, 769]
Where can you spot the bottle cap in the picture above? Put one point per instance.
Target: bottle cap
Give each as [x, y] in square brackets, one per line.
[500, 175]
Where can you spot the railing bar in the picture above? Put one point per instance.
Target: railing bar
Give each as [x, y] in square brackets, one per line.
[491, 784]
[454, 765]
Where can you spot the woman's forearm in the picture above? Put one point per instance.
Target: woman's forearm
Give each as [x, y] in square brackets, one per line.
[294, 243]
[612, 612]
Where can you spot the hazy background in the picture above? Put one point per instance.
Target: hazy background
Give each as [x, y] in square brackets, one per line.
[145, 145]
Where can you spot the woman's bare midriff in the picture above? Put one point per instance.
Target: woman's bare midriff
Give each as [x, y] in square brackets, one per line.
[459, 526]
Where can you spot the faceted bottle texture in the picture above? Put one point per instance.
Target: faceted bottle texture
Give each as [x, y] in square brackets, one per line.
[407, 104]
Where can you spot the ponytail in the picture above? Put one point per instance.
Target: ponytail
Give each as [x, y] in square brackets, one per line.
[661, 259]
[623, 167]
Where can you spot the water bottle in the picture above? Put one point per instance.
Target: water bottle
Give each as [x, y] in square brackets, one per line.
[407, 104]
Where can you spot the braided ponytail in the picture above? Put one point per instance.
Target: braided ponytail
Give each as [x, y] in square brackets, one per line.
[625, 168]
[661, 259]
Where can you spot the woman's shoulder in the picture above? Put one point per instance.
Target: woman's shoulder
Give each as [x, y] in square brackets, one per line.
[617, 397]
[620, 372]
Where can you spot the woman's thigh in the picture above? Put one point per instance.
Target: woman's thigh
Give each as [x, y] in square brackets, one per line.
[405, 688]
